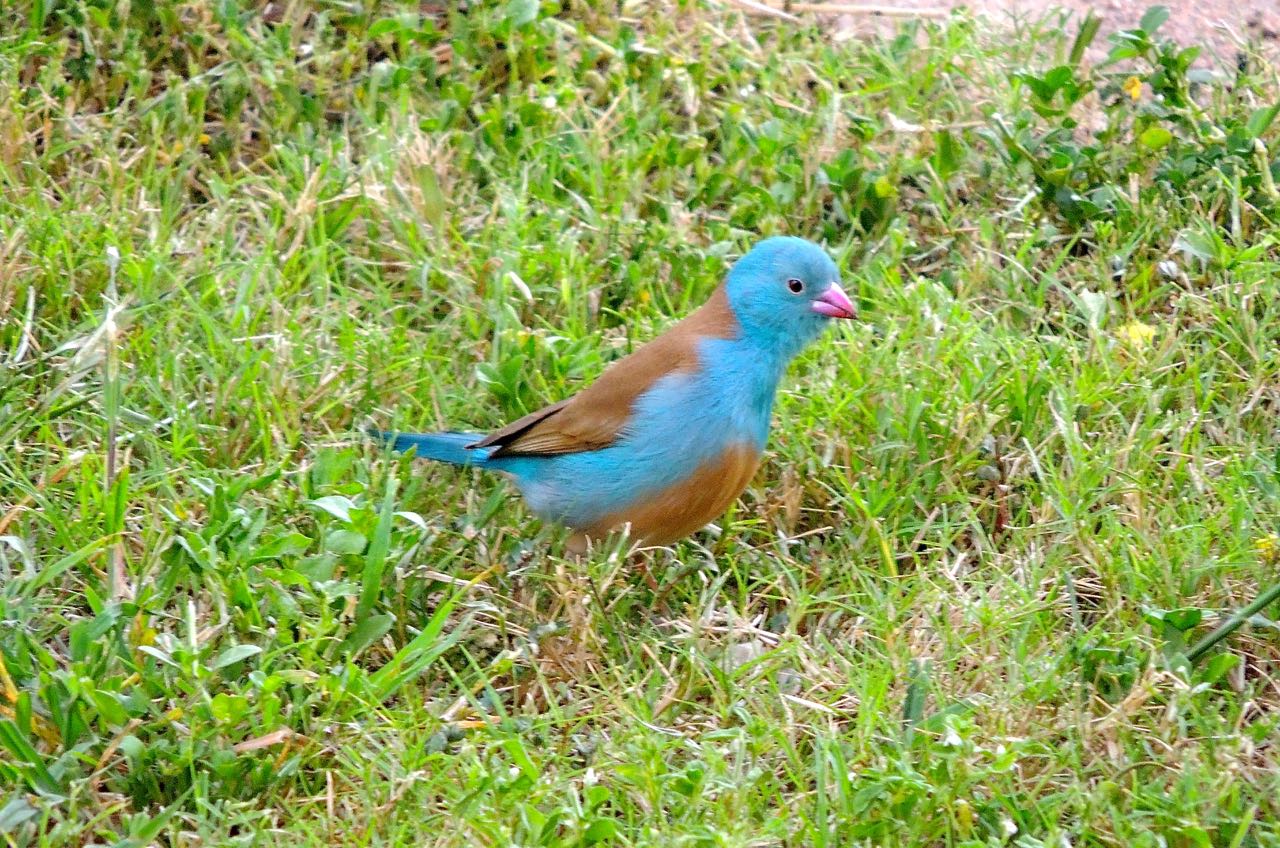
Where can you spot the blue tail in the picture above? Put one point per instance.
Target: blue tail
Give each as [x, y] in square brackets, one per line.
[442, 447]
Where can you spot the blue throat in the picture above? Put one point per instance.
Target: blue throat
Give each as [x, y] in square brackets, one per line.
[748, 381]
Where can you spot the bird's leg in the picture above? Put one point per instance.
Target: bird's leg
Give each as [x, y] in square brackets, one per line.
[579, 544]
[646, 573]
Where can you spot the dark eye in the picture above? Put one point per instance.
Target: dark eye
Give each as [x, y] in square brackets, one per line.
[795, 285]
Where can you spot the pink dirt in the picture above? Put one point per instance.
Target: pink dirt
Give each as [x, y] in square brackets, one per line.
[1224, 26]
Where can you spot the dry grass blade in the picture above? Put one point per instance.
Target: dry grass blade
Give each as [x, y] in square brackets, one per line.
[754, 7]
[869, 9]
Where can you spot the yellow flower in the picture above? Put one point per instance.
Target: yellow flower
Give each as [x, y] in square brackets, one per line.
[964, 815]
[884, 187]
[1268, 548]
[140, 634]
[1133, 87]
[1137, 334]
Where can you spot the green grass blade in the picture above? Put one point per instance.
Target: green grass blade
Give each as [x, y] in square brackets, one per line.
[375, 561]
[1233, 623]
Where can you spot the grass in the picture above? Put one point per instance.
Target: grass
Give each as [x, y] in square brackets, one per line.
[954, 606]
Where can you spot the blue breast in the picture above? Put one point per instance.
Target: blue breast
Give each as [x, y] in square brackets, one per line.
[682, 422]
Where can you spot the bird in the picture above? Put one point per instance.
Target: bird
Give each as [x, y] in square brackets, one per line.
[666, 438]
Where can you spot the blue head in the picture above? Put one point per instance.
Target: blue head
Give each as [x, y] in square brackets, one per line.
[784, 292]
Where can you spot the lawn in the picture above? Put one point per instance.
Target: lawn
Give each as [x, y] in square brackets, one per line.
[965, 601]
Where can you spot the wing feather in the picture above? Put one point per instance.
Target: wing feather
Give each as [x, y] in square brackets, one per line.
[597, 416]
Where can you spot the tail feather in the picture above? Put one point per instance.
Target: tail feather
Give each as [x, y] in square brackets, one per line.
[442, 447]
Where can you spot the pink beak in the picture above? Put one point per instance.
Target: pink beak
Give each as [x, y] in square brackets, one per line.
[834, 303]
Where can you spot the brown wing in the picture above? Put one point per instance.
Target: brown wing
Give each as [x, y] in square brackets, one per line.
[596, 416]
